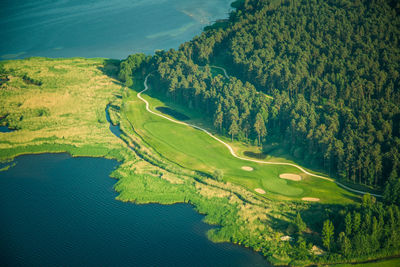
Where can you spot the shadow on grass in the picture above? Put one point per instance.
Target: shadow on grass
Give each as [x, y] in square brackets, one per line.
[255, 155]
[173, 113]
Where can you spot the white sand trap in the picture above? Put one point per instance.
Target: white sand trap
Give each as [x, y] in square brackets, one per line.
[290, 176]
[310, 199]
[259, 190]
[247, 168]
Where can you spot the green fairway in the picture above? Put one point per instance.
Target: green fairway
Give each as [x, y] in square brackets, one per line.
[194, 149]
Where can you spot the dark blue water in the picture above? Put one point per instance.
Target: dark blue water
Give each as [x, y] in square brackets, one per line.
[60, 211]
[5, 129]
[113, 128]
[101, 28]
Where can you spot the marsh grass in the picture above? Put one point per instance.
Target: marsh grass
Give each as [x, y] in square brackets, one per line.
[61, 108]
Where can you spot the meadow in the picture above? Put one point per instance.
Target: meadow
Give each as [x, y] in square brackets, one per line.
[63, 109]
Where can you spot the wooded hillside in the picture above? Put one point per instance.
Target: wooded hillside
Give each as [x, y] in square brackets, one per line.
[331, 67]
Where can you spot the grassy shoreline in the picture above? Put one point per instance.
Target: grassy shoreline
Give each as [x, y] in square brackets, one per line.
[74, 121]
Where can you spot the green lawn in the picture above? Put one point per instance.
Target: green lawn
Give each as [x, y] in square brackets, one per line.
[193, 149]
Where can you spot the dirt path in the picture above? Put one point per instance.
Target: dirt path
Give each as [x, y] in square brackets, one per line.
[233, 152]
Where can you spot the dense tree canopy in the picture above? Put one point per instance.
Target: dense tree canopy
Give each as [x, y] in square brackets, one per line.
[321, 79]
[330, 67]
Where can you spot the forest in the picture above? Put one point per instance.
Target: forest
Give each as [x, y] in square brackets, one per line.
[321, 79]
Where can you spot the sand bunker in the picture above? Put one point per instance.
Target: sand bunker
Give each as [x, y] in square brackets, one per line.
[247, 168]
[259, 190]
[310, 199]
[289, 176]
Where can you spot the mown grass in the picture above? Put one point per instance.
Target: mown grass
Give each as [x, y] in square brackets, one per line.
[195, 150]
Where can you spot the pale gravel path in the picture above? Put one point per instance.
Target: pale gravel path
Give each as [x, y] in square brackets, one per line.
[231, 149]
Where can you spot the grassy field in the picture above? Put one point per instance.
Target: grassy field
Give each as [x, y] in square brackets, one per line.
[195, 150]
[64, 110]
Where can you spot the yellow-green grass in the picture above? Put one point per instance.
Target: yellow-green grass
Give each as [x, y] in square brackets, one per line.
[193, 149]
[65, 113]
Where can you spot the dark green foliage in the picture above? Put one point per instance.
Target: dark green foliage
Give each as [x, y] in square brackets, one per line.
[344, 244]
[299, 223]
[367, 230]
[29, 80]
[327, 234]
[232, 104]
[332, 68]
[392, 188]
[131, 65]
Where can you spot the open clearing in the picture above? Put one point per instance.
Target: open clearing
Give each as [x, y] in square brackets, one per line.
[247, 168]
[290, 176]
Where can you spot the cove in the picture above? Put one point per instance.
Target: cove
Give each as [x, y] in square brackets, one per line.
[60, 211]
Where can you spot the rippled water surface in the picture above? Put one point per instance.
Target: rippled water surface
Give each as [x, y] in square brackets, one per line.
[101, 28]
[60, 211]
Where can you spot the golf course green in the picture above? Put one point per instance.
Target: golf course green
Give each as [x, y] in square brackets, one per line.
[194, 149]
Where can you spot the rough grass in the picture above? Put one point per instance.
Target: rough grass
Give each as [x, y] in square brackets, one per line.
[66, 112]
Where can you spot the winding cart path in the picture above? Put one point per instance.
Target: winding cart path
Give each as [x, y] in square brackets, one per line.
[231, 149]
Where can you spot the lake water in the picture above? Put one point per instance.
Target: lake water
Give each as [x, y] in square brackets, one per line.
[5, 129]
[60, 211]
[101, 28]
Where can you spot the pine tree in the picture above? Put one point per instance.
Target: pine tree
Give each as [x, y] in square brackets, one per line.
[218, 118]
[259, 127]
[299, 223]
[344, 244]
[233, 129]
[327, 234]
[348, 224]
[356, 222]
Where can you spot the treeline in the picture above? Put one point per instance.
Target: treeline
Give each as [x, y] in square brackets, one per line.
[341, 61]
[360, 232]
[332, 68]
[133, 63]
[237, 108]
